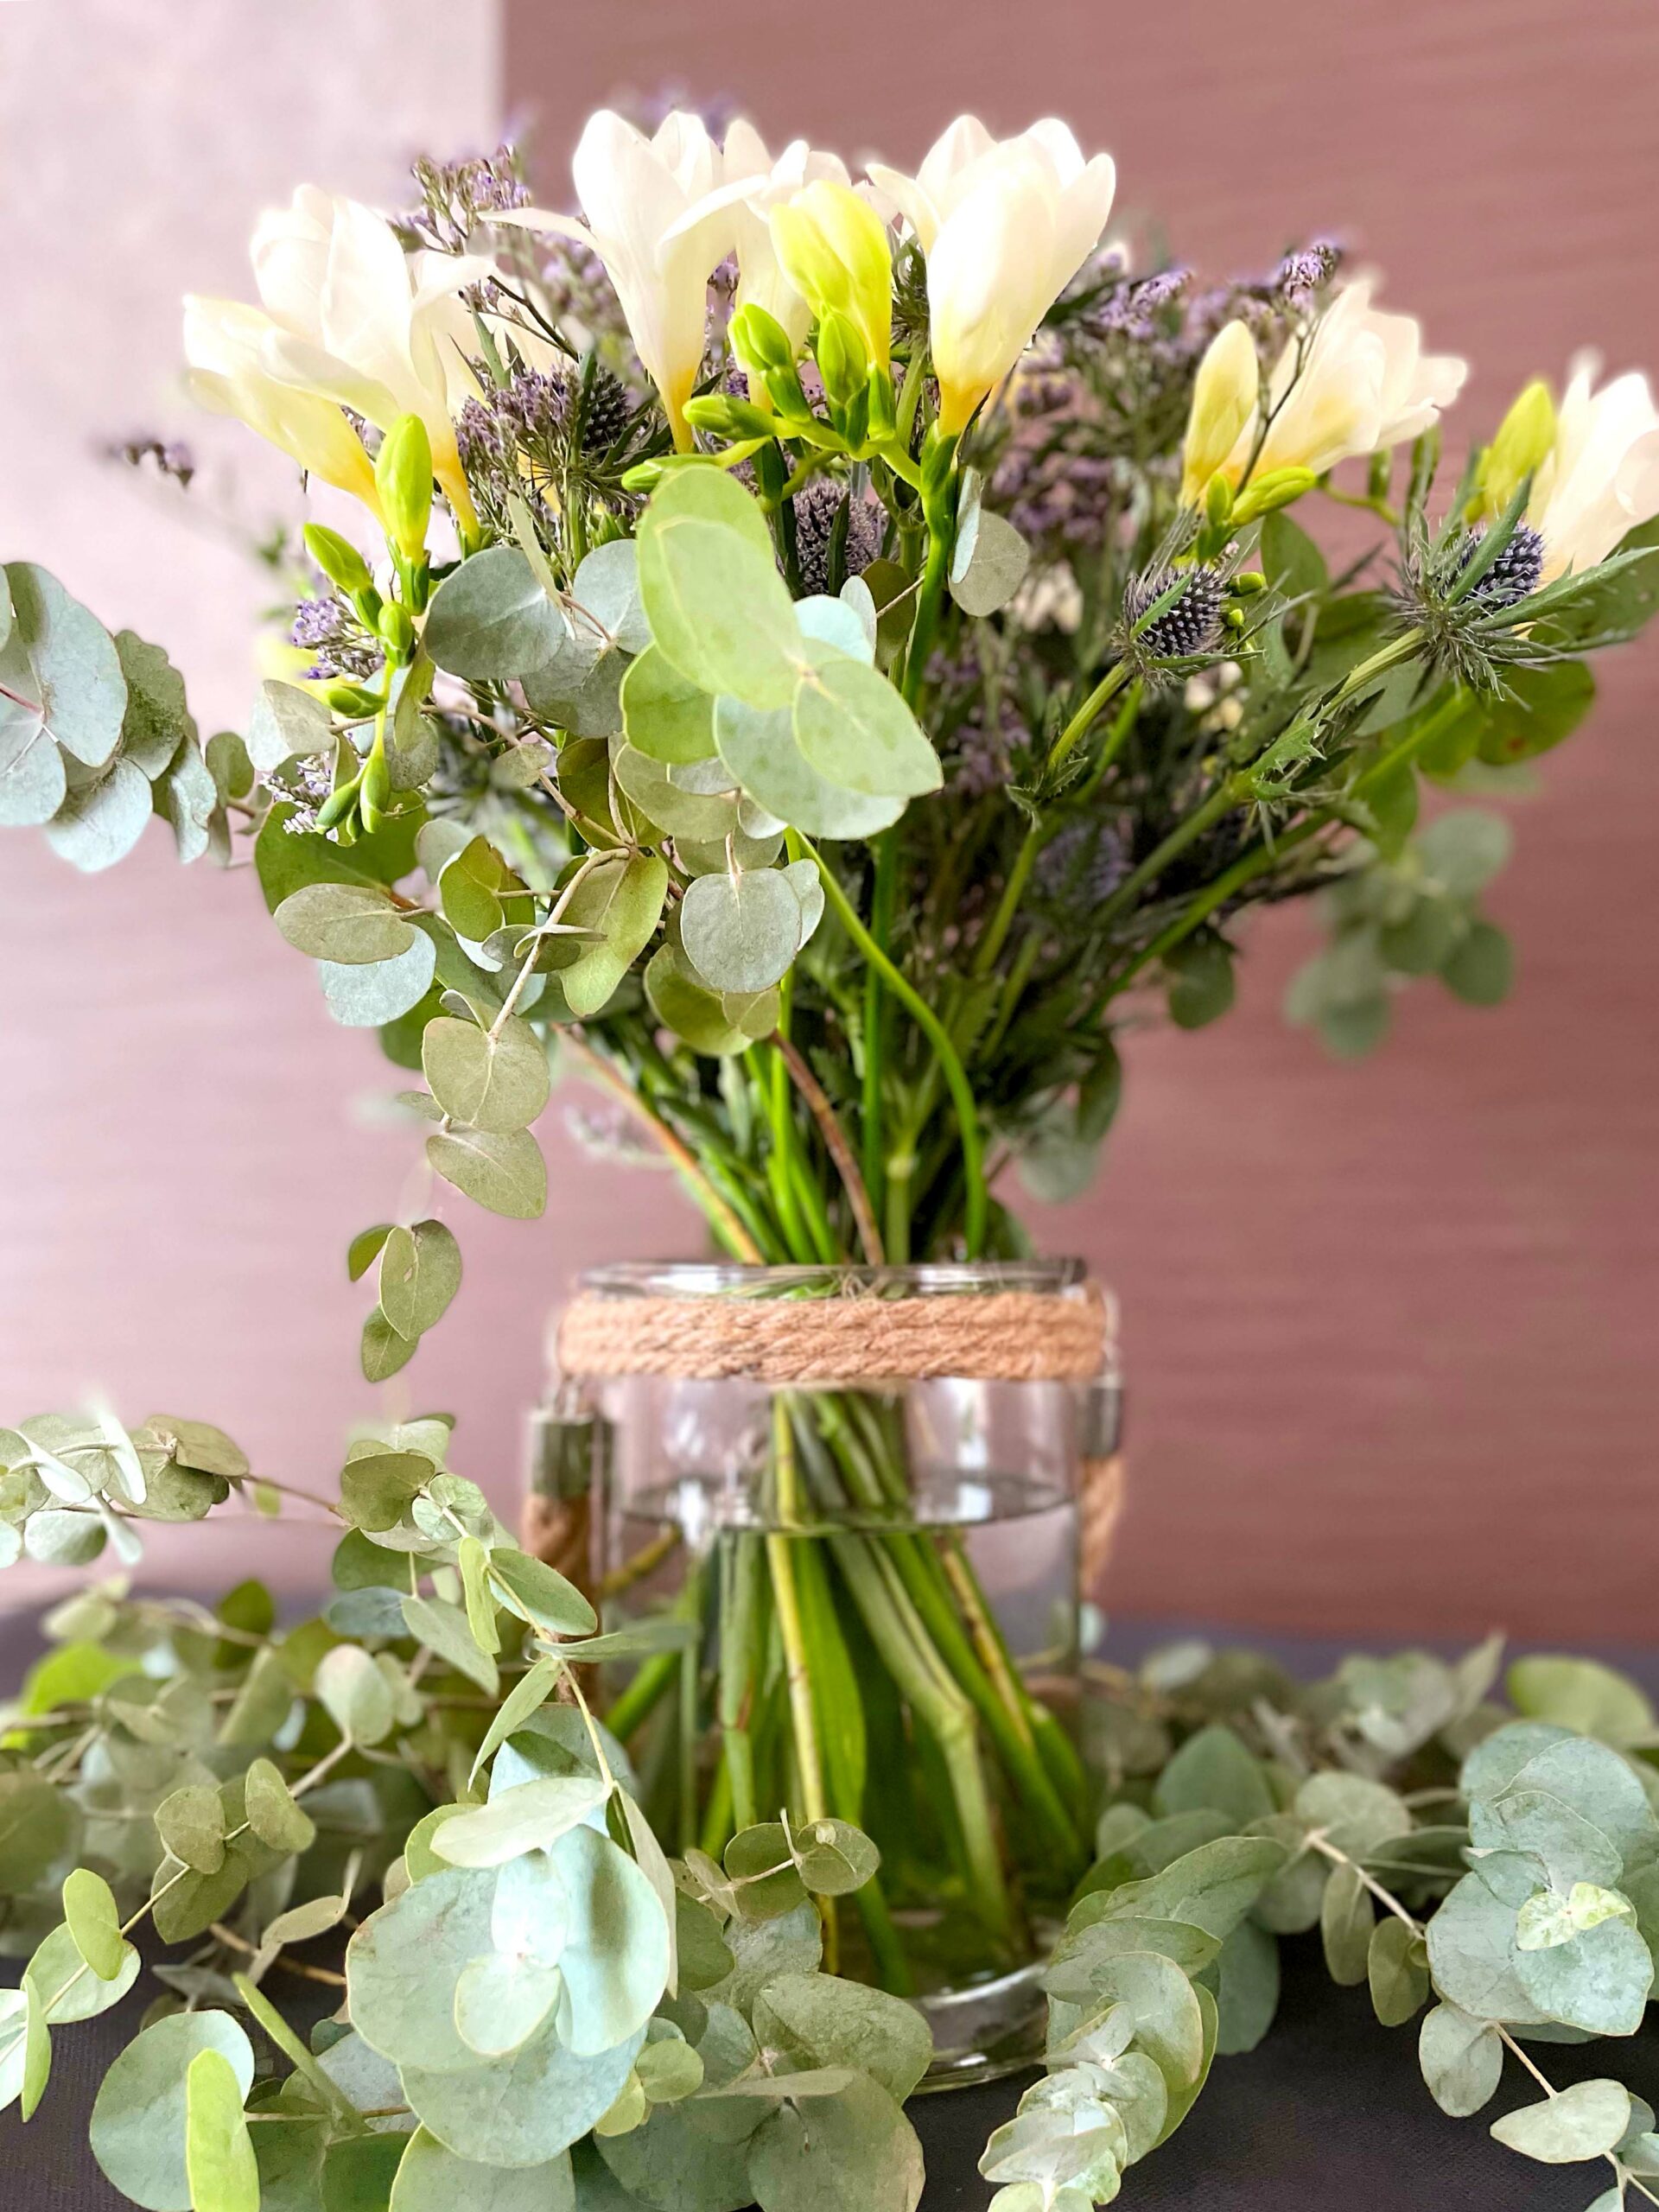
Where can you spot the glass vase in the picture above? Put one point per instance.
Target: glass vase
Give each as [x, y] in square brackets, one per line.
[884, 1581]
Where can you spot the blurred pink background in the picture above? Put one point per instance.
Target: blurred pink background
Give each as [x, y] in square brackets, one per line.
[1389, 1328]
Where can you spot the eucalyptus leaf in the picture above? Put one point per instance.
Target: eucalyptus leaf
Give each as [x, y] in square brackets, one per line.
[287, 723]
[718, 609]
[495, 1081]
[666, 717]
[762, 752]
[69, 663]
[89, 1911]
[218, 2151]
[1461, 2057]
[504, 1173]
[528, 1817]
[856, 731]
[100, 823]
[741, 933]
[350, 925]
[525, 2110]
[420, 1272]
[490, 618]
[1583, 2120]
[433, 2180]
[366, 997]
[139, 2124]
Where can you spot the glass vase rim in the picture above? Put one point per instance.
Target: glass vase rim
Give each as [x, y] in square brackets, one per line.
[919, 1279]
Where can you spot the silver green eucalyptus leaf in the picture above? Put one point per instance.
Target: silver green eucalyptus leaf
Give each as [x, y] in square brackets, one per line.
[1583, 2120]
[287, 723]
[717, 606]
[100, 823]
[856, 730]
[404, 1962]
[497, 1080]
[615, 1960]
[433, 2180]
[605, 588]
[666, 717]
[741, 933]
[491, 619]
[137, 2129]
[58, 658]
[368, 997]
[525, 2110]
[762, 752]
[528, 1817]
[504, 1173]
[350, 924]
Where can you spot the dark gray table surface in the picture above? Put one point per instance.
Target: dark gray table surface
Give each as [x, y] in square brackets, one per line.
[1329, 2113]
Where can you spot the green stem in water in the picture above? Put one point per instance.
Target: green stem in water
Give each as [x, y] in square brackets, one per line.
[741, 1634]
[976, 1205]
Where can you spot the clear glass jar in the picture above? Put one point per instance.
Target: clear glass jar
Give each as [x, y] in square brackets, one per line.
[886, 1582]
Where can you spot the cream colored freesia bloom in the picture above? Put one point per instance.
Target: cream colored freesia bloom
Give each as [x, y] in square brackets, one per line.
[661, 212]
[350, 316]
[1004, 225]
[1225, 393]
[1365, 383]
[1601, 477]
[760, 278]
[225, 342]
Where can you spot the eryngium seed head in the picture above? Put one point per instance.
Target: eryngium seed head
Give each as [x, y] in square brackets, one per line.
[1513, 575]
[606, 415]
[816, 508]
[1189, 625]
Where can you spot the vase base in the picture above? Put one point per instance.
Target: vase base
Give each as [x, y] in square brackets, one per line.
[983, 2032]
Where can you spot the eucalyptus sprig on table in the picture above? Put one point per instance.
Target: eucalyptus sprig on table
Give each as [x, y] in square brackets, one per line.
[539, 2005]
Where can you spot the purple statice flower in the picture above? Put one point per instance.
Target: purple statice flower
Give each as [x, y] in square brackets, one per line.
[304, 785]
[1306, 271]
[327, 627]
[455, 196]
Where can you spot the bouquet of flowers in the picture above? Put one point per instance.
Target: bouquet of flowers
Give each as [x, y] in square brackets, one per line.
[818, 659]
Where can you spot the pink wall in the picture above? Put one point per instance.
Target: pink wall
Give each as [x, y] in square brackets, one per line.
[1389, 1328]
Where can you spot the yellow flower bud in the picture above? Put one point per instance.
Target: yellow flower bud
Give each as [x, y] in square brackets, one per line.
[1223, 400]
[1519, 449]
[834, 250]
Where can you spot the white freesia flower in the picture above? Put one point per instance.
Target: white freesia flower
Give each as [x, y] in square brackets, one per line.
[1601, 477]
[1364, 384]
[661, 212]
[348, 318]
[760, 278]
[1004, 225]
[225, 343]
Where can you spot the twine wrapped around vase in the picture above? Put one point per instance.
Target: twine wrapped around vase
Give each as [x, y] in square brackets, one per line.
[851, 1343]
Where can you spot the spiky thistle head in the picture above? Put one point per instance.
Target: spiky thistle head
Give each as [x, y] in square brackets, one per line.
[1188, 627]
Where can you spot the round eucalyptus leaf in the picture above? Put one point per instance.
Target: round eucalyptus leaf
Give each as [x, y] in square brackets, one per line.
[1480, 968]
[100, 823]
[616, 1953]
[403, 1963]
[351, 924]
[37, 1828]
[354, 1694]
[857, 731]
[718, 609]
[273, 1812]
[521, 2111]
[32, 778]
[531, 1915]
[839, 623]
[528, 1817]
[988, 564]
[667, 806]
[670, 2165]
[580, 696]
[804, 880]
[1461, 2057]
[137, 2129]
[1597, 1980]
[761, 752]
[506, 1173]
[684, 1004]
[1472, 1955]
[491, 619]
[93, 1923]
[420, 1272]
[709, 778]
[606, 586]
[1583, 2120]
[697, 858]
[1462, 852]
[74, 669]
[820, 2021]
[496, 1083]
[66, 1993]
[64, 1539]
[433, 2180]
[665, 716]
[852, 2152]
[366, 997]
[287, 723]
[1583, 1694]
[501, 1999]
[740, 933]
[219, 2156]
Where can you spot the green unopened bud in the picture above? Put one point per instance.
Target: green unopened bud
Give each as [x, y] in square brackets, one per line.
[1248, 580]
[784, 390]
[843, 362]
[375, 788]
[1276, 489]
[338, 804]
[1380, 475]
[1519, 450]
[352, 700]
[339, 559]
[403, 476]
[398, 630]
[1218, 501]
[643, 476]
[724, 415]
[760, 341]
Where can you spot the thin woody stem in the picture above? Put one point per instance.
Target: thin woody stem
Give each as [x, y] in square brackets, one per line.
[836, 1144]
